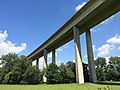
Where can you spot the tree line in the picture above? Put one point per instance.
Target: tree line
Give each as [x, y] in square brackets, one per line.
[18, 70]
[65, 73]
[108, 70]
[105, 71]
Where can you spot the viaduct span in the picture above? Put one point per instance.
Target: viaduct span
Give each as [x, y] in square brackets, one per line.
[94, 12]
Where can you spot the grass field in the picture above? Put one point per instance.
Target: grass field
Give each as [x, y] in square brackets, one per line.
[86, 86]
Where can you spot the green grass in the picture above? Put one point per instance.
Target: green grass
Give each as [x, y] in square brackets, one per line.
[86, 86]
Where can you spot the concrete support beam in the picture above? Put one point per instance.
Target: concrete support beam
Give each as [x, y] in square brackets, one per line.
[90, 57]
[78, 58]
[45, 65]
[53, 57]
[45, 57]
[31, 61]
[37, 62]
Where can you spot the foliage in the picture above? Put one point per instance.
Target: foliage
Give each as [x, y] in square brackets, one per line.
[52, 74]
[32, 75]
[109, 71]
[67, 72]
[100, 62]
[17, 70]
[2, 75]
[100, 68]
[113, 69]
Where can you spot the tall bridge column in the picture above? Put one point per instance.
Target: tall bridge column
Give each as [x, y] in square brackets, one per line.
[78, 58]
[90, 57]
[37, 62]
[45, 64]
[53, 57]
[31, 61]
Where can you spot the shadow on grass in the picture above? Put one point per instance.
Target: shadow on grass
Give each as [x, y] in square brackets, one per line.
[109, 83]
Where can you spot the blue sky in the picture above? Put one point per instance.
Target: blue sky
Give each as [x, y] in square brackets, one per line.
[26, 24]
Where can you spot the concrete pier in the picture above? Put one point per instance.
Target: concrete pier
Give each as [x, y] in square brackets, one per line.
[78, 59]
[45, 65]
[91, 63]
[45, 57]
[31, 61]
[53, 57]
[37, 62]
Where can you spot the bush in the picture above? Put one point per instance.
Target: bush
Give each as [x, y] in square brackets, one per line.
[2, 75]
[52, 74]
[67, 72]
[32, 75]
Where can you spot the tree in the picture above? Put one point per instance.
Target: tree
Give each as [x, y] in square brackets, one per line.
[63, 70]
[52, 74]
[113, 69]
[109, 71]
[67, 72]
[100, 63]
[18, 70]
[32, 75]
[9, 60]
[2, 75]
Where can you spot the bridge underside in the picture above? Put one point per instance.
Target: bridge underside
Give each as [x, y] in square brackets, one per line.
[93, 13]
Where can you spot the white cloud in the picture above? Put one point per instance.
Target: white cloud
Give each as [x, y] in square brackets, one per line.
[9, 47]
[80, 6]
[107, 20]
[92, 30]
[59, 49]
[104, 50]
[85, 56]
[111, 45]
[118, 48]
[62, 47]
[94, 48]
[50, 55]
[66, 45]
[114, 40]
[3, 36]
[73, 60]
[58, 62]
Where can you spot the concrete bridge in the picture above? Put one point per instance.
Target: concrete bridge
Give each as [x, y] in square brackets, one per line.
[94, 12]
